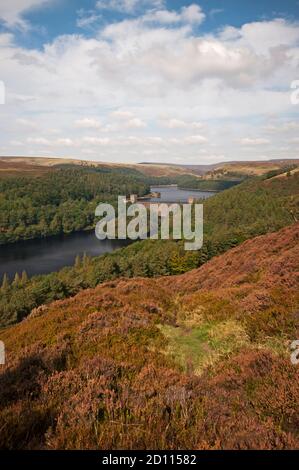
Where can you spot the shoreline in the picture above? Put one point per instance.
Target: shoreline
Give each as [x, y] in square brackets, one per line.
[201, 190]
[187, 189]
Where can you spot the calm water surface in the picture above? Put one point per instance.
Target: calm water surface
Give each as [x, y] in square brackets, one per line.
[43, 256]
[174, 194]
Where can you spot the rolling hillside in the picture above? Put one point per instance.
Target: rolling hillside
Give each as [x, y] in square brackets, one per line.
[235, 169]
[196, 361]
[39, 165]
[14, 166]
[256, 168]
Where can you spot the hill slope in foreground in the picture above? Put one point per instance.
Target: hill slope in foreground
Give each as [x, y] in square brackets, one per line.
[200, 360]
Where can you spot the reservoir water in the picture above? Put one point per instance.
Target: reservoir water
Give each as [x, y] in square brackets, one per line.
[175, 194]
[41, 256]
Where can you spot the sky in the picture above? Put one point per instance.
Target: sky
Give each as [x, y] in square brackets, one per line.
[186, 82]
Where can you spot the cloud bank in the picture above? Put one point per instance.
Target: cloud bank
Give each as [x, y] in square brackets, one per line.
[151, 86]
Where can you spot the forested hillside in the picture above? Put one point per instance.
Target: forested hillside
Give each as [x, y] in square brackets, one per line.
[197, 361]
[187, 181]
[252, 208]
[61, 201]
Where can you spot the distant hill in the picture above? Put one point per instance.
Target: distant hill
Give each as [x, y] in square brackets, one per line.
[236, 168]
[222, 170]
[196, 361]
[39, 165]
[258, 168]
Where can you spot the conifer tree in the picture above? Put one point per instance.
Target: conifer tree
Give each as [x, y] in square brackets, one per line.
[85, 260]
[24, 277]
[5, 282]
[16, 280]
[77, 262]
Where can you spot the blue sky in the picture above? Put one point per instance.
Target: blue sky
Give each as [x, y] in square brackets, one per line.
[60, 16]
[135, 80]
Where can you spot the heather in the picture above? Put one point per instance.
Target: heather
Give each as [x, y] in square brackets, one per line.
[197, 361]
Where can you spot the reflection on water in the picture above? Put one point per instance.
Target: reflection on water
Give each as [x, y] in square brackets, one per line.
[53, 253]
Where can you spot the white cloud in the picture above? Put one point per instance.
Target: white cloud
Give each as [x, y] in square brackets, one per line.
[61, 142]
[127, 119]
[87, 18]
[38, 140]
[282, 127]
[11, 11]
[180, 124]
[191, 14]
[135, 123]
[177, 56]
[27, 123]
[159, 86]
[196, 125]
[121, 114]
[64, 142]
[162, 16]
[16, 143]
[195, 139]
[88, 123]
[128, 6]
[257, 141]
[262, 36]
[174, 124]
[96, 140]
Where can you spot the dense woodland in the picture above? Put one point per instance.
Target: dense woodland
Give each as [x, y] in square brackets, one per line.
[188, 181]
[61, 201]
[255, 207]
